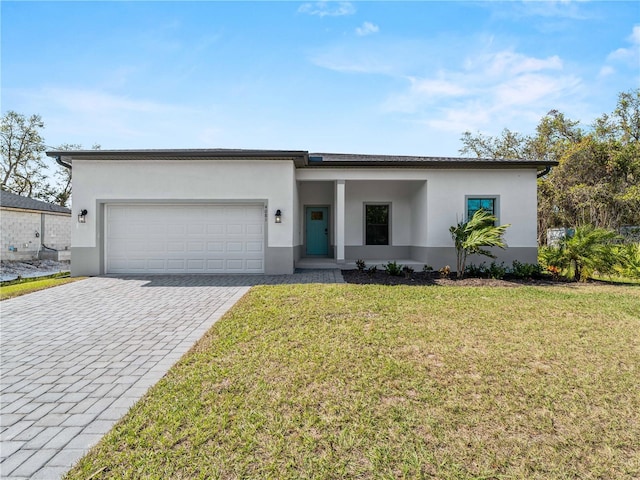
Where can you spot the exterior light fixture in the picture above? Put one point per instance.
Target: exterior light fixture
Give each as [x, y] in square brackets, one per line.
[278, 216]
[82, 216]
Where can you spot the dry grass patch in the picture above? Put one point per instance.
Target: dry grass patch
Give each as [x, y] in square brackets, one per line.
[347, 381]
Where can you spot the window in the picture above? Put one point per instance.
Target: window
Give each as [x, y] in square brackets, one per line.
[475, 204]
[377, 224]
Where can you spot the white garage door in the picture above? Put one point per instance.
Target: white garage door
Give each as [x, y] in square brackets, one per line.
[159, 238]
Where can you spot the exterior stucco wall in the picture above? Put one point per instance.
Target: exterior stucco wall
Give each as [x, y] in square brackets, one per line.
[19, 233]
[398, 194]
[425, 203]
[97, 183]
[516, 190]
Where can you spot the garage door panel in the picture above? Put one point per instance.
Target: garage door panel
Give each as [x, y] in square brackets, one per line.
[215, 246]
[215, 229]
[185, 238]
[175, 247]
[254, 229]
[234, 246]
[234, 229]
[256, 265]
[195, 246]
[175, 229]
[254, 247]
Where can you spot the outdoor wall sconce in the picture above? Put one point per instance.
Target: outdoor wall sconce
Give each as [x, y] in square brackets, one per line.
[278, 216]
[82, 216]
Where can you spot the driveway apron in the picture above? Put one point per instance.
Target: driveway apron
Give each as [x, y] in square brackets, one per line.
[75, 358]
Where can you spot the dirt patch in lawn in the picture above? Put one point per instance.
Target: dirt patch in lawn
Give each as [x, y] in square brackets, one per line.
[434, 278]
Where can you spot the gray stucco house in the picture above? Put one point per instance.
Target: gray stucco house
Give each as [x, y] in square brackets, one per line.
[33, 229]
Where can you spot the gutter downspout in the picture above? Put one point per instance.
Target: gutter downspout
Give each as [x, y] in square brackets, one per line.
[546, 170]
[59, 161]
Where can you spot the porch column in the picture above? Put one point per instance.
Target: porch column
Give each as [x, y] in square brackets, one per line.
[340, 189]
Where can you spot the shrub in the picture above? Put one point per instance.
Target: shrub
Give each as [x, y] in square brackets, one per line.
[427, 269]
[525, 270]
[589, 250]
[629, 259]
[372, 270]
[477, 271]
[360, 265]
[497, 271]
[394, 269]
[445, 271]
[408, 271]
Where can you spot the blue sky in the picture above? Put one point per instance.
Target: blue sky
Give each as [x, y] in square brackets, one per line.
[360, 77]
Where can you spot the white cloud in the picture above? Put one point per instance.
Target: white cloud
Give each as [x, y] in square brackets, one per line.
[340, 60]
[98, 102]
[629, 55]
[510, 63]
[87, 116]
[487, 90]
[634, 38]
[438, 86]
[606, 71]
[324, 9]
[367, 28]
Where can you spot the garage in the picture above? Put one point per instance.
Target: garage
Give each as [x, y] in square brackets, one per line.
[164, 238]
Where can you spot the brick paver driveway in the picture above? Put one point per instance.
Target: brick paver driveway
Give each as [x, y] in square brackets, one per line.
[75, 358]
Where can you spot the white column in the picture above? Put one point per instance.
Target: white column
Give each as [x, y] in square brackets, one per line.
[339, 229]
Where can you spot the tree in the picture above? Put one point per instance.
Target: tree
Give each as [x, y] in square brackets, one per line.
[471, 236]
[21, 147]
[597, 180]
[589, 250]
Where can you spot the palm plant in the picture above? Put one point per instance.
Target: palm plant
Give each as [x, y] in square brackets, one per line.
[472, 236]
[629, 257]
[589, 250]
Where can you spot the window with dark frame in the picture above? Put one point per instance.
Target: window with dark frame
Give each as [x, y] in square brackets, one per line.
[377, 224]
[475, 204]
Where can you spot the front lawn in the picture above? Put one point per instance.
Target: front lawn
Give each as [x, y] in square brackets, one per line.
[364, 381]
[23, 286]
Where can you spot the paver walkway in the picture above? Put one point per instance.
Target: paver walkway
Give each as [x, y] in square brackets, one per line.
[75, 358]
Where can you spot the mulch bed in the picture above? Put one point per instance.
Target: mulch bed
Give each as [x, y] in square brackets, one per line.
[434, 278]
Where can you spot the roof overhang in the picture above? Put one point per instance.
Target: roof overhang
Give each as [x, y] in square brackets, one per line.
[319, 160]
[301, 158]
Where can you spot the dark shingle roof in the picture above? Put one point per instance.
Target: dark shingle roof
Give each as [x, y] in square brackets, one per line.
[11, 200]
[356, 160]
[301, 158]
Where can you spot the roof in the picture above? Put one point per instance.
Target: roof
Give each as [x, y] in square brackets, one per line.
[301, 158]
[11, 200]
[298, 156]
[358, 160]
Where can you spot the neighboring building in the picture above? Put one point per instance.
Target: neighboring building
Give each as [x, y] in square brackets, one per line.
[214, 211]
[32, 229]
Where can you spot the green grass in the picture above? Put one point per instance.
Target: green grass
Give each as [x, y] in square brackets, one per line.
[350, 381]
[27, 285]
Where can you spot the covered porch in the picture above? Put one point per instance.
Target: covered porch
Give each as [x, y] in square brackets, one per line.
[373, 219]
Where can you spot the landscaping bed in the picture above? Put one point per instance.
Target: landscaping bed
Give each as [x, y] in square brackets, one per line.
[380, 277]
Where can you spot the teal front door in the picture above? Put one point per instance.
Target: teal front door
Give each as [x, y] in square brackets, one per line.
[317, 229]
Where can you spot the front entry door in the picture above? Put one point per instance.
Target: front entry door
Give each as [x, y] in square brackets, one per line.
[317, 230]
